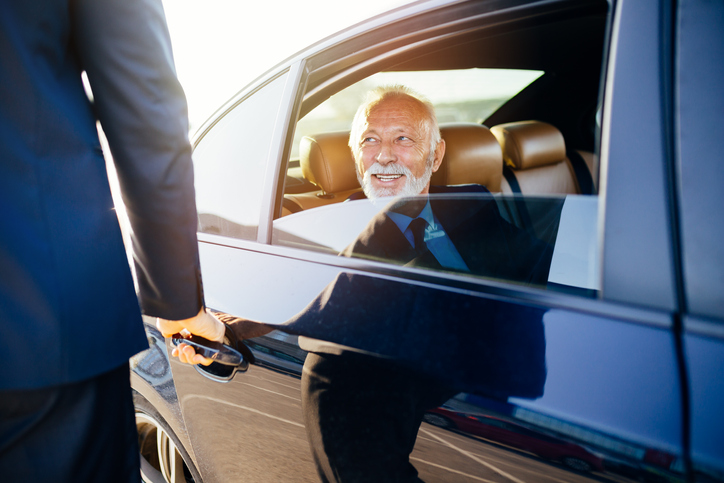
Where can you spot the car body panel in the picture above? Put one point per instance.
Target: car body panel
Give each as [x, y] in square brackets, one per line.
[587, 401]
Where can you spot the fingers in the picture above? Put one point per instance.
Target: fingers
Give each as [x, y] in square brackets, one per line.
[188, 355]
[203, 324]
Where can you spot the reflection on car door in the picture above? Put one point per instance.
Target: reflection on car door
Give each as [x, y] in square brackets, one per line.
[605, 384]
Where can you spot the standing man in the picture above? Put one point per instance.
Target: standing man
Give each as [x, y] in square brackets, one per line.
[69, 314]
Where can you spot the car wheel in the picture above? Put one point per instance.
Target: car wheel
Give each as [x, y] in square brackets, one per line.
[437, 420]
[163, 459]
[577, 464]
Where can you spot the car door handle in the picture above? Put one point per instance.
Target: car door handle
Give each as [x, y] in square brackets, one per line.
[216, 351]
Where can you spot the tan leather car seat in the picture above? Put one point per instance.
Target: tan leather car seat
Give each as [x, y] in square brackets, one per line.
[536, 154]
[472, 156]
[326, 162]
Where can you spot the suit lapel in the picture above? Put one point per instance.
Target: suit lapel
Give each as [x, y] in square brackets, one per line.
[381, 240]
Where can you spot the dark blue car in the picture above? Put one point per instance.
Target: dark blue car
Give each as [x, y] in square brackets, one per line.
[594, 127]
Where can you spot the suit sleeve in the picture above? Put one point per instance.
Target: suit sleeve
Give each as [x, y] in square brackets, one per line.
[124, 47]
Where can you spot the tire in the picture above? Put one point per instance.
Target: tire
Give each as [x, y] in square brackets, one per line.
[577, 464]
[163, 458]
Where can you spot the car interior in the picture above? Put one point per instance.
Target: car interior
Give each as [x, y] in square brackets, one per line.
[541, 142]
[531, 148]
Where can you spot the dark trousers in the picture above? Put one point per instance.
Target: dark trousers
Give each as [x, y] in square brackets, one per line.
[81, 432]
[362, 415]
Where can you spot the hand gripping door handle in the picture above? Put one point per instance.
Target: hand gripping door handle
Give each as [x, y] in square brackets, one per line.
[228, 359]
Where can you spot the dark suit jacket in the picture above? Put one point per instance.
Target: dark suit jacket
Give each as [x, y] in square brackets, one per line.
[490, 246]
[68, 308]
[471, 344]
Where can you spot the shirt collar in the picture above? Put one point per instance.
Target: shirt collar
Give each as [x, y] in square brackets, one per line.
[403, 221]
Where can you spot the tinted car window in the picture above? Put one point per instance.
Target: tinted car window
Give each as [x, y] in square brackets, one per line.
[230, 162]
[558, 251]
[536, 232]
[459, 95]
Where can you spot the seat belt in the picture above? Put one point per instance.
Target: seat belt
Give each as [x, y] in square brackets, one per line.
[580, 169]
[518, 200]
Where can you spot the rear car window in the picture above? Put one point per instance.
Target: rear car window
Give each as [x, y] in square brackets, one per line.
[461, 95]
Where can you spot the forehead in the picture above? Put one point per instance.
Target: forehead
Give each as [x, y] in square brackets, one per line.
[400, 112]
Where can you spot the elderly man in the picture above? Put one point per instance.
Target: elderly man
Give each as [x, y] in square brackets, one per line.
[396, 143]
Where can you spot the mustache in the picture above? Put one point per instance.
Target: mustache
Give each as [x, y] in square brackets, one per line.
[392, 168]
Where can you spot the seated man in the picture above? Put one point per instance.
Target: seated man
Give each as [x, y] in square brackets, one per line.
[362, 413]
[396, 144]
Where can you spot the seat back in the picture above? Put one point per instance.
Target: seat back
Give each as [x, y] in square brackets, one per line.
[535, 153]
[472, 156]
[327, 162]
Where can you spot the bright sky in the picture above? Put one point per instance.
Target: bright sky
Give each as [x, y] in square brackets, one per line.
[222, 45]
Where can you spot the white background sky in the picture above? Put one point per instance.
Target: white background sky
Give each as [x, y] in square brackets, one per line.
[222, 45]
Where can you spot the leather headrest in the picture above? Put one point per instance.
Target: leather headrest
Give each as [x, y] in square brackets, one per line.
[326, 161]
[530, 144]
[472, 155]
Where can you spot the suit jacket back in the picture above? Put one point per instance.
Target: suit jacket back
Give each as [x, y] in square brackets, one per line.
[68, 307]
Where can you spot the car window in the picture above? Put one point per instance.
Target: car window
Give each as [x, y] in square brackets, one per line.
[458, 95]
[230, 162]
[556, 249]
[538, 231]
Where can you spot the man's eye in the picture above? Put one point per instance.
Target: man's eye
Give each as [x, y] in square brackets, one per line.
[403, 138]
[368, 140]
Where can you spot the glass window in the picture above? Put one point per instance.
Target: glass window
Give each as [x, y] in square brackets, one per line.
[474, 234]
[230, 162]
[546, 239]
[466, 95]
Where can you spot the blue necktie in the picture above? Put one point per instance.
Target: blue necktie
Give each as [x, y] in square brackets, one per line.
[417, 227]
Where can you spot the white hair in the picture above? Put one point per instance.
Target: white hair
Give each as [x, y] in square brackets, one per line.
[374, 97]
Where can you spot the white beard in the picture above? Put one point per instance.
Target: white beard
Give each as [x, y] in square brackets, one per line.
[413, 186]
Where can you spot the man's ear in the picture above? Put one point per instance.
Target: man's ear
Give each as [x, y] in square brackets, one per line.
[439, 154]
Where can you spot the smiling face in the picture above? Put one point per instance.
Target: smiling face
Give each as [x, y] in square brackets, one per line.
[393, 151]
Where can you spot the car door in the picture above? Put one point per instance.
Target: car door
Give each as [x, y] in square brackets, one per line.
[699, 103]
[602, 373]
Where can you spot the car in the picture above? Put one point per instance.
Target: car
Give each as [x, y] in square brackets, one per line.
[592, 124]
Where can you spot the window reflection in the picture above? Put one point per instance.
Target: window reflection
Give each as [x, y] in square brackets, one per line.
[230, 162]
[558, 250]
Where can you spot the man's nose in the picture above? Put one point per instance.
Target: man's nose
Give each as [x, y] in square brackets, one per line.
[386, 154]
